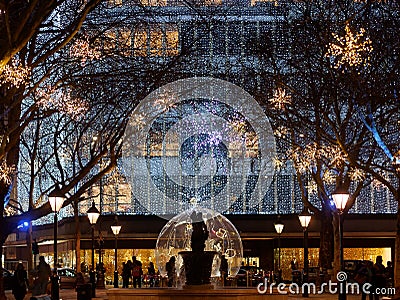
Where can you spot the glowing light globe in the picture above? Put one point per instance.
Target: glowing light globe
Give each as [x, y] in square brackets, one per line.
[223, 238]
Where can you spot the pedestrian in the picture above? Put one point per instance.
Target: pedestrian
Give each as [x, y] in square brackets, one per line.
[43, 273]
[170, 267]
[126, 273]
[79, 281]
[223, 268]
[365, 275]
[379, 276]
[151, 274]
[389, 274]
[294, 266]
[136, 272]
[20, 282]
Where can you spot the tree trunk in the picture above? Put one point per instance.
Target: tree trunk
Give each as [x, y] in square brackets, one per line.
[77, 238]
[30, 254]
[336, 244]
[326, 241]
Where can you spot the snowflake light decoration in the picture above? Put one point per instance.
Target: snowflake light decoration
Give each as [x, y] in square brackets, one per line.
[278, 163]
[350, 49]
[137, 121]
[357, 174]
[312, 188]
[62, 101]
[165, 101]
[14, 74]
[81, 49]
[281, 131]
[238, 126]
[307, 157]
[280, 99]
[7, 173]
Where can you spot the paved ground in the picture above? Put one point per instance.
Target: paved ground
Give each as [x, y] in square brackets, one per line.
[70, 294]
[67, 294]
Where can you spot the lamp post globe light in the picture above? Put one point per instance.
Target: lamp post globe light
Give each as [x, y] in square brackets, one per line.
[305, 218]
[116, 229]
[279, 229]
[56, 200]
[340, 197]
[93, 214]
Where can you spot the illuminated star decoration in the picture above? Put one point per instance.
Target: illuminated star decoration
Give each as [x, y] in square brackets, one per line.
[280, 99]
[14, 74]
[7, 173]
[165, 102]
[63, 102]
[81, 49]
[137, 120]
[349, 49]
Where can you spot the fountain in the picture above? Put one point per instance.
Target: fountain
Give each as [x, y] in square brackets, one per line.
[204, 243]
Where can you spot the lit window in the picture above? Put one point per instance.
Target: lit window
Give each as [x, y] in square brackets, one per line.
[117, 41]
[112, 3]
[109, 41]
[255, 2]
[171, 41]
[140, 42]
[156, 40]
[212, 2]
[124, 41]
[153, 2]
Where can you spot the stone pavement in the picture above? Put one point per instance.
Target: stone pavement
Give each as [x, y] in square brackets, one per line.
[70, 294]
[66, 294]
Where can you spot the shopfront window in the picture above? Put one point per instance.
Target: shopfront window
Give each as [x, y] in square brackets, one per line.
[156, 40]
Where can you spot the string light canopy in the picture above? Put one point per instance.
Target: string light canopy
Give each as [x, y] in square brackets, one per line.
[305, 218]
[340, 196]
[279, 226]
[116, 227]
[93, 214]
[56, 199]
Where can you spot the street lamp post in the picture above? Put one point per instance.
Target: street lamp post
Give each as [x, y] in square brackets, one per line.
[93, 214]
[340, 197]
[279, 228]
[116, 229]
[305, 218]
[56, 200]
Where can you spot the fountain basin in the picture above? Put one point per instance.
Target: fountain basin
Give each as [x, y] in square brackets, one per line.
[197, 267]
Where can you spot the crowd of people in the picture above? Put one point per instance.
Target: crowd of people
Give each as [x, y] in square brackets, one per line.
[377, 275]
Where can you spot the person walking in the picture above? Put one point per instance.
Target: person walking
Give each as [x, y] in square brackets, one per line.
[151, 274]
[20, 283]
[170, 267]
[43, 273]
[136, 272]
[365, 275]
[379, 277]
[126, 273]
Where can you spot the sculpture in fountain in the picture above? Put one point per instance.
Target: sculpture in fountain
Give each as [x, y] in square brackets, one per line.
[197, 263]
